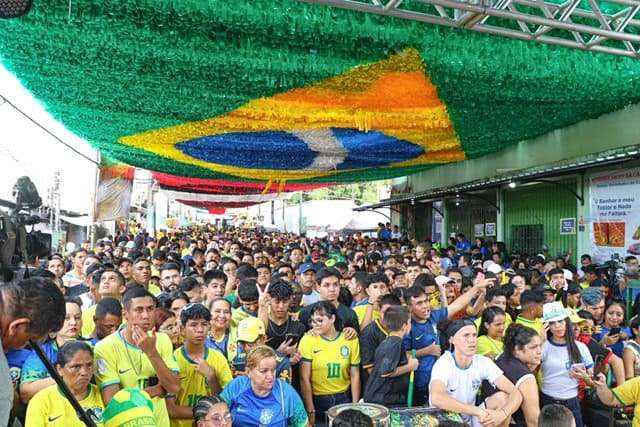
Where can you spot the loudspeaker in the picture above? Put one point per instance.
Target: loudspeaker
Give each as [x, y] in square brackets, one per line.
[14, 8]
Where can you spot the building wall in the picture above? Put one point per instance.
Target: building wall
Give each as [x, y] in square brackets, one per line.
[470, 211]
[540, 205]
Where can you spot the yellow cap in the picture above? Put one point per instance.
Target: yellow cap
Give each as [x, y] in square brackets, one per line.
[250, 329]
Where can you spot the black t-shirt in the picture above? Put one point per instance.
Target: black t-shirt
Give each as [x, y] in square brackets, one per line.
[370, 338]
[76, 291]
[348, 317]
[276, 334]
[516, 372]
[382, 388]
[596, 349]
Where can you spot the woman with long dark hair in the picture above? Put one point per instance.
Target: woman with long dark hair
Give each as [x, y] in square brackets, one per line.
[613, 331]
[490, 332]
[521, 357]
[565, 361]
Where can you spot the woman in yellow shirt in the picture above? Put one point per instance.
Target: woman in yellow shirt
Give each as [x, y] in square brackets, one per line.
[50, 408]
[491, 332]
[330, 365]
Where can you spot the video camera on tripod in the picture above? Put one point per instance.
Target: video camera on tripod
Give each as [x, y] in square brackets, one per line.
[17, 245]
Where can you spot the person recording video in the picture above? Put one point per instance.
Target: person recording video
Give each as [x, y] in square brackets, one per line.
[29, 310]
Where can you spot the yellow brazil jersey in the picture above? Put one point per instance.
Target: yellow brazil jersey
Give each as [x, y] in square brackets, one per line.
[629, 394]
[118, 362]
[154, 290]
[507, 321]
[193, 385]
[361, 311]
[537, 324]
[50, 408]
[239, 314]
[489, 347]
[88, 324]
[330, 362]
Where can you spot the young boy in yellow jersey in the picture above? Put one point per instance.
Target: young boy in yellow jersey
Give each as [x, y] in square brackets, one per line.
[376, 286]
[203, 372]
[135, 356]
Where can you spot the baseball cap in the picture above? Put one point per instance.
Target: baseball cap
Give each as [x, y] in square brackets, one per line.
[494, 268]
[130, 244]
[443, 280]
[306, 267]
[554, 311]
[250, 329]
[568, 275]
[129, 406]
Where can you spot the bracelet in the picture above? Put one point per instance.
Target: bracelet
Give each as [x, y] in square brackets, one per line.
[311, 412]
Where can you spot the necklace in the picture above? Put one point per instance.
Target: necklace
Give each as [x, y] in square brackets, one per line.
[272, 328]
[126, 349]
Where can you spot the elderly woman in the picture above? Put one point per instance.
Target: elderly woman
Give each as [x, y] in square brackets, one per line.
[211, 411]
[49, 407]
[259, 399]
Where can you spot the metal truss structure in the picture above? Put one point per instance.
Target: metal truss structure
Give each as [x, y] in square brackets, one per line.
[611, 26]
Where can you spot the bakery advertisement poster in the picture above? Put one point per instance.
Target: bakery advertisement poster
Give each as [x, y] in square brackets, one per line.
[615, 213]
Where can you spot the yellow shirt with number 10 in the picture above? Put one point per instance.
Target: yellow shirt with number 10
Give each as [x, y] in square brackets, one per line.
[330, 361]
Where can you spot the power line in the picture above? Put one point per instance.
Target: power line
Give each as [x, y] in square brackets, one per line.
[5, 100]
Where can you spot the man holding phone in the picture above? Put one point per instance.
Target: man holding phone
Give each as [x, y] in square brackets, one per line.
[283, 332]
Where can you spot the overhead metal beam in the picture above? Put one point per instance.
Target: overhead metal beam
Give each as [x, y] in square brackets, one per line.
[572, 23]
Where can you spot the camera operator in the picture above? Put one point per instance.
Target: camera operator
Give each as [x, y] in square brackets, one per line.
[29, 310]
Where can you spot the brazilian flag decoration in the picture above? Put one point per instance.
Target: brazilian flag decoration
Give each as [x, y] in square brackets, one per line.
[289, 92]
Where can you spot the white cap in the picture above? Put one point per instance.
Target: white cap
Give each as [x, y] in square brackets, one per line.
[486, 264]
[494, 268]
[568, 275]
[443, 280]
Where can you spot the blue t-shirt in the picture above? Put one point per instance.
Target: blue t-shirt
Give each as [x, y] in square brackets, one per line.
[423, 335]
[33, 369]
[617, 348]
[16, 359]
[282, 408]
[463, 247]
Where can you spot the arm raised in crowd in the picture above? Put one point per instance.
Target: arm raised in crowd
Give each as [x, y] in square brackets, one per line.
[464, 300]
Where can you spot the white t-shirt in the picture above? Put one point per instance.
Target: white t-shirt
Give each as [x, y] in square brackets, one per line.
[463, 383]
[312, 298]
[556, 381]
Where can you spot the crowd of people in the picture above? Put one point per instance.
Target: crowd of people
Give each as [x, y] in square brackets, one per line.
[237, 327]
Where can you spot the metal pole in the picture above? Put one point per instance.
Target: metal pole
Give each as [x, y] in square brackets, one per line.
[300, 214]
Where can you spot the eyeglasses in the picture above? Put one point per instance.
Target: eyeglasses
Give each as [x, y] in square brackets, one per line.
[218, 420]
